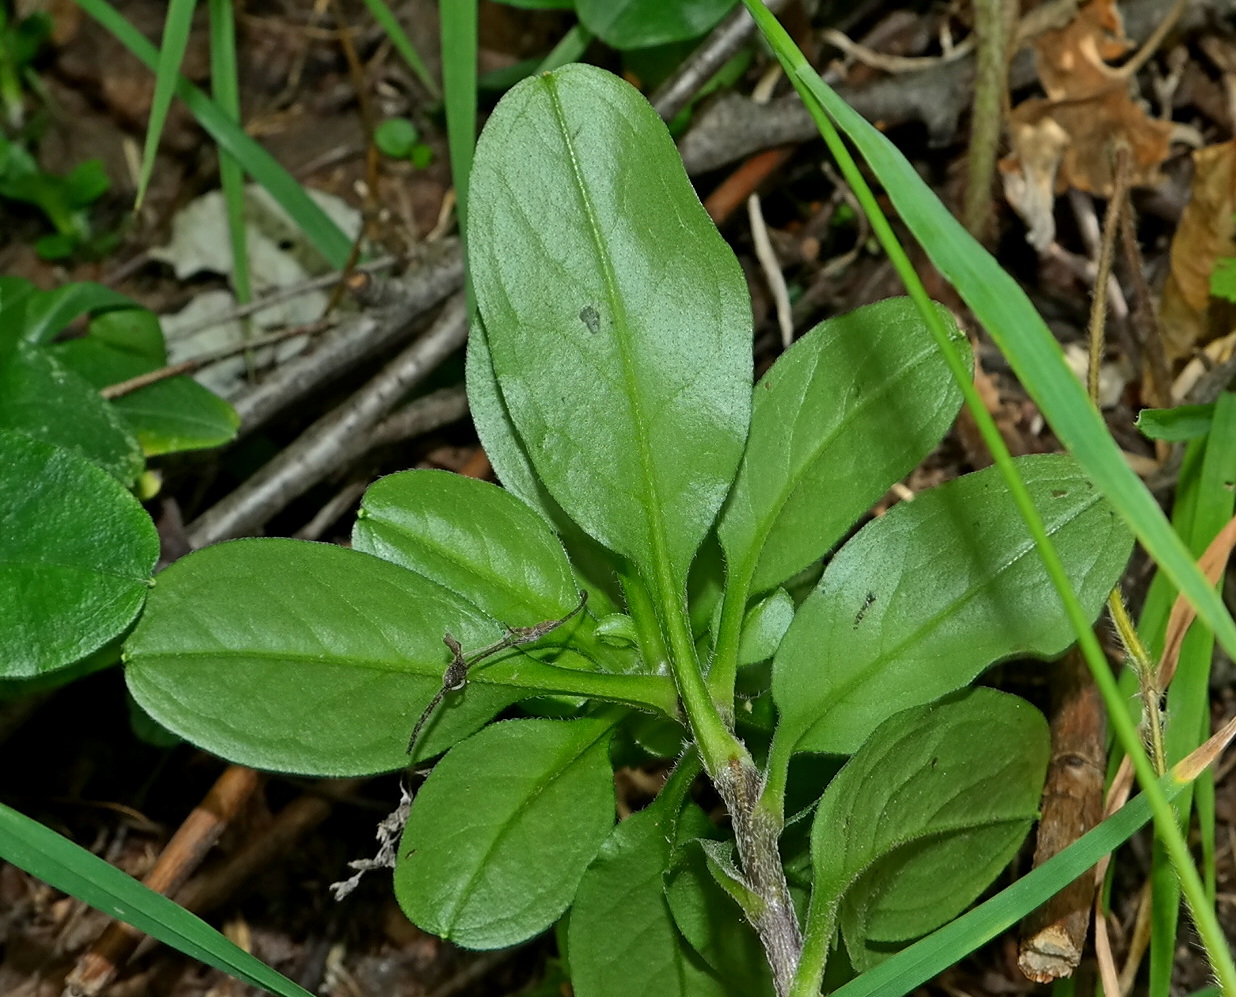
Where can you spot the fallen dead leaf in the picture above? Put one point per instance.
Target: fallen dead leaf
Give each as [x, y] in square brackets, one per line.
[1189, 316]
[1069, 138]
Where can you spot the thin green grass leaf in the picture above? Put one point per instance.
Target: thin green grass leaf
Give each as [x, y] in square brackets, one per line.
[570, 48]
[459, 50]
[71, 869]
[403, 44]
[324, 234]
[171, 53]
[224, 81]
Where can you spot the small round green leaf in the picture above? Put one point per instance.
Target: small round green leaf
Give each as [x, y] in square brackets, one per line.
[76, 552]
[626, 24]
[503, 829]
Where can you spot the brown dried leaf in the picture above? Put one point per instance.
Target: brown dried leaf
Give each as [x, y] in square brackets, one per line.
[1089, 104]
[1206, 233]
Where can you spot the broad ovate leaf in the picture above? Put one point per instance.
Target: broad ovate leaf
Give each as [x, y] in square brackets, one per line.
[41, 398]
[76, 553]
[922, 600]
[923, 817]
[617, 318]
[844, 413]
[501, 832]
[305, 657]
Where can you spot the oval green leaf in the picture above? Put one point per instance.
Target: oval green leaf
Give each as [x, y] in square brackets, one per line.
[845, 412]
[931, 594]
[76, 553]
[617, 317]
[501, 832]
[306, 657]
[42, 399]
[923, 817]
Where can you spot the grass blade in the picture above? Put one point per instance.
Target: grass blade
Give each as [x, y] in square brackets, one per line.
[224, 80]
[324, 234]
[459, 51]
[403, 44]
[171, 53]
[71, 869]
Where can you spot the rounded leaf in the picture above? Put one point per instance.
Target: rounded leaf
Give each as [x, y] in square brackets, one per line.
[504, 827]
[76, 553]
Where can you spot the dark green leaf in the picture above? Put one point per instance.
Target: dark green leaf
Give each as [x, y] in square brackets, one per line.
[844, 413]
[924, 816]
[502, 831]
[48, 312]
[712, 922]
[40, 398]
[623, 941]
[76, 553]
[929, 595]
[639, 23]
[585, 231]
[167, 416]
[305, 657]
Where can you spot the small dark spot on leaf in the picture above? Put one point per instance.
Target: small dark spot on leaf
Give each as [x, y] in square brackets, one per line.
[935, 762]
[589, 316]
[1058, 493]
[862, 610]
[1229, 485]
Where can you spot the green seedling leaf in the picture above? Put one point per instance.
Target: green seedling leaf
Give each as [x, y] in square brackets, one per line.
[166, 417]
[622, 937]
[396, 137]
[503, 829]
[844, 413]
[764, 626]
[1223, 279]
[473, 538]
[47, 313]
[71, 869]
[634, 408]
[1175, 425]
[923, 817]
[305, 657]
[925, 598]
[15, 294]
[626, 24]
[76, 553]
[41, 398]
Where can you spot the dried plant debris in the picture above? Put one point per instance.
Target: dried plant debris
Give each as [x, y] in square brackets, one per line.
[1069, 138]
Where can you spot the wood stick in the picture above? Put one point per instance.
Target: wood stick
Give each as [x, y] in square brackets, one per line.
[1053, 936]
